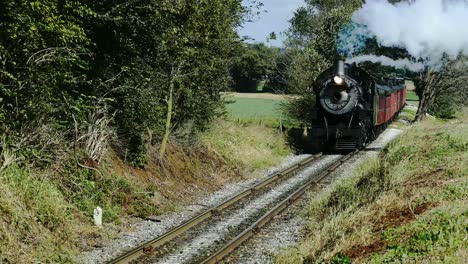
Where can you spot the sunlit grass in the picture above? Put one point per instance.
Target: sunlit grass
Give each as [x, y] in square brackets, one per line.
[252, 146]
[412, 96]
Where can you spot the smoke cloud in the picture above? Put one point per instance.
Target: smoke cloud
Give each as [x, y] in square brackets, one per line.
[427, 29]
[384, 60]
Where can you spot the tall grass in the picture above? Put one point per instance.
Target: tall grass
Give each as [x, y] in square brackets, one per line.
[34, 217]
[45, 215]
[253, 146]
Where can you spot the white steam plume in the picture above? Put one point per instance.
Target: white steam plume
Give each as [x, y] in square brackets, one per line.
[427, 29]
[384, 60]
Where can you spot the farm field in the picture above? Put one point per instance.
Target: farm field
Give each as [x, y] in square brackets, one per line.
[255, 107]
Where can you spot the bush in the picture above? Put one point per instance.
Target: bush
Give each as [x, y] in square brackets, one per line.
[444, 107]
[299, 110]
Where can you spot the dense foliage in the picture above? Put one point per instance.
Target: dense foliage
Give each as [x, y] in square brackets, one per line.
[127, 72]
[254, 64]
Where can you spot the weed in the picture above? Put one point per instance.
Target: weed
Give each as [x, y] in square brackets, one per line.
[112, 192]
[340, 259]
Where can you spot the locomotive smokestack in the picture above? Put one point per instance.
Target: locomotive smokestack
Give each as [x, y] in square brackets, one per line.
[340, 68]
[339, 72]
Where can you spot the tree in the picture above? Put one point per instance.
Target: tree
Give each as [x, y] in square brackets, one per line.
[448, 85]
[313, 33]
[254, 64]
[43, 52]
[279, 77]
[167, 62]
[154, 66]
[272, 36]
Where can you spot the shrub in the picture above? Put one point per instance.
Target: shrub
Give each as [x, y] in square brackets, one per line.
[444, 107]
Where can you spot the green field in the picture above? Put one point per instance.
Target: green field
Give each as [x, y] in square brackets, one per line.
[411, 96]
[255, 109]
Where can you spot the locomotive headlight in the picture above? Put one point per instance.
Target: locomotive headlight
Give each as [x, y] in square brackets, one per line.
[338, 80]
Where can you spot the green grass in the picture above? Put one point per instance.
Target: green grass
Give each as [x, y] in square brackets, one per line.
[45, 216]
[406, 114]
[412, 96]
[253, 147]
[406, 206]
[256, 110]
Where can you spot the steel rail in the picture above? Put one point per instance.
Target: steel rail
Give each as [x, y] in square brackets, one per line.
[139, 251]
[280, 207]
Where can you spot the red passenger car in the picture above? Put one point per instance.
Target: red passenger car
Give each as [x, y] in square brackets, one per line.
[390, 99]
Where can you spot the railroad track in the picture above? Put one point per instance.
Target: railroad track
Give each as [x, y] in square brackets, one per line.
[156, 243]
[280, 207]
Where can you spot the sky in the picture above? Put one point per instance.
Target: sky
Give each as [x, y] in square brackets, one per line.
[276, 19]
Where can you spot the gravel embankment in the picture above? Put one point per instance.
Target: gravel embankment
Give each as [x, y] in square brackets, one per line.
[147, 230]
[286, 229]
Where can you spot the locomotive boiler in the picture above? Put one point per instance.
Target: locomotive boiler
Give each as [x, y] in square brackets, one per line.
[352, 107]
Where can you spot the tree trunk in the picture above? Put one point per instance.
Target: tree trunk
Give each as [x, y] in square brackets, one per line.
[428, 85]
[422, 110]
[167, 133]
[426, 100]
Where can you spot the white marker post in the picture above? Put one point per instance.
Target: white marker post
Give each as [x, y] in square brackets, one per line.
[98, 216]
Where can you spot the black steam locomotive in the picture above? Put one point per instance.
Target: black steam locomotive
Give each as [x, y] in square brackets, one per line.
[352, 107]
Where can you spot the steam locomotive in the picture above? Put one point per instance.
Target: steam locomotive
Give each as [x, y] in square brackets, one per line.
[353, 107]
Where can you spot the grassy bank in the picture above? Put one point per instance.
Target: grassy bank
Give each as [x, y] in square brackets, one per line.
[252, 146]
[408, 205]
[46, 213]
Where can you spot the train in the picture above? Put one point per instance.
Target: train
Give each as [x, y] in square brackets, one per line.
[353, 107]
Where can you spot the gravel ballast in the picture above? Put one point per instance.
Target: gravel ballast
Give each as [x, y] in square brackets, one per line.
[217, 231]
[146, 230]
